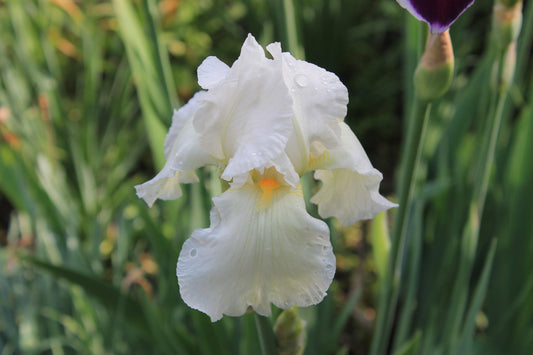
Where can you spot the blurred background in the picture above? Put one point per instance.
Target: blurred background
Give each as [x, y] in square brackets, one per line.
[86, 96]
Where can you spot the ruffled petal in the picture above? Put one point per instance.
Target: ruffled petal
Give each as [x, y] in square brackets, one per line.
[179, 118]
[246, 119]
[281, 164]
[320, 100]
[184, 154]
[350, 186]
[211, 72]
[262, 247]
[350, 196]
[439, 14]
[165, 186]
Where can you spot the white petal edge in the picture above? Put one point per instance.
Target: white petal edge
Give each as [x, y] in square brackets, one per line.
[211, 72]
[185, 155]
[165, 186]
[254, 256]
[350, 196]
[350, 185]
[281, 164]
[406, 4]
[179, 118]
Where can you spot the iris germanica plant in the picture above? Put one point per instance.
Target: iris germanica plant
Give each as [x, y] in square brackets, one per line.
[265, 123]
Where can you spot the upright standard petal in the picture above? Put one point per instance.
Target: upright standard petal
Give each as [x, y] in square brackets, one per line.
[246, 118]
[319, 101]
[262, 247]
[439, 14]
[350, 186]
[211, 72]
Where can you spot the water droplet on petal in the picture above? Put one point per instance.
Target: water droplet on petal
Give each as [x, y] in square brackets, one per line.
[301, 80]
[290, 62]
[193, 253]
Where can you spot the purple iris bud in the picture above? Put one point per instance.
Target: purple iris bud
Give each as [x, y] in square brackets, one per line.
[439, 14]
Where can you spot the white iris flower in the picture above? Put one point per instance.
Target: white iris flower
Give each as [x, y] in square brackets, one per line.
[265, 122]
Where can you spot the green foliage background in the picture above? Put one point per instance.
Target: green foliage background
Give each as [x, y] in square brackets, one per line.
[86, 95]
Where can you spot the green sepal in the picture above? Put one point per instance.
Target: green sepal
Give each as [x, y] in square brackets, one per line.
[432, 83]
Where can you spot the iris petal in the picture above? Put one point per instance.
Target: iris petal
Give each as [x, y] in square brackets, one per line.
[184, 154]
[179, 117]
[439, 14]
[319, 100]
[211, 72]
[350, 196]
[246, 118]
[257, 251]
[350, 186]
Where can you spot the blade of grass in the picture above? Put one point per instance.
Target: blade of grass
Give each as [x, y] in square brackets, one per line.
[148, 70]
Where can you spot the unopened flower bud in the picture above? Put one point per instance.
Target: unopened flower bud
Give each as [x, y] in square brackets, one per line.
[503, 77]
[508, 3]
[290, 332]
[435, 69]
[506, 22]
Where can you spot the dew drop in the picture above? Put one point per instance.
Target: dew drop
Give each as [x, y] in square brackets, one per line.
[301, 80]
[193, 252]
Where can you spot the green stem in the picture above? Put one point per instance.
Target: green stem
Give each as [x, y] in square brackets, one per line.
[411, 157]
[470, 234]
[484, 167]
[266, 335]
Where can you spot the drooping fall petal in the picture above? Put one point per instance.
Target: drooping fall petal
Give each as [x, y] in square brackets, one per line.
[262, 247]
[350, 185]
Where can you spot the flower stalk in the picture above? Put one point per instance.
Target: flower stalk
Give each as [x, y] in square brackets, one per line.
[411, 157]
[505, 61]
[266, 335]
[506, 27]
[432, 79]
